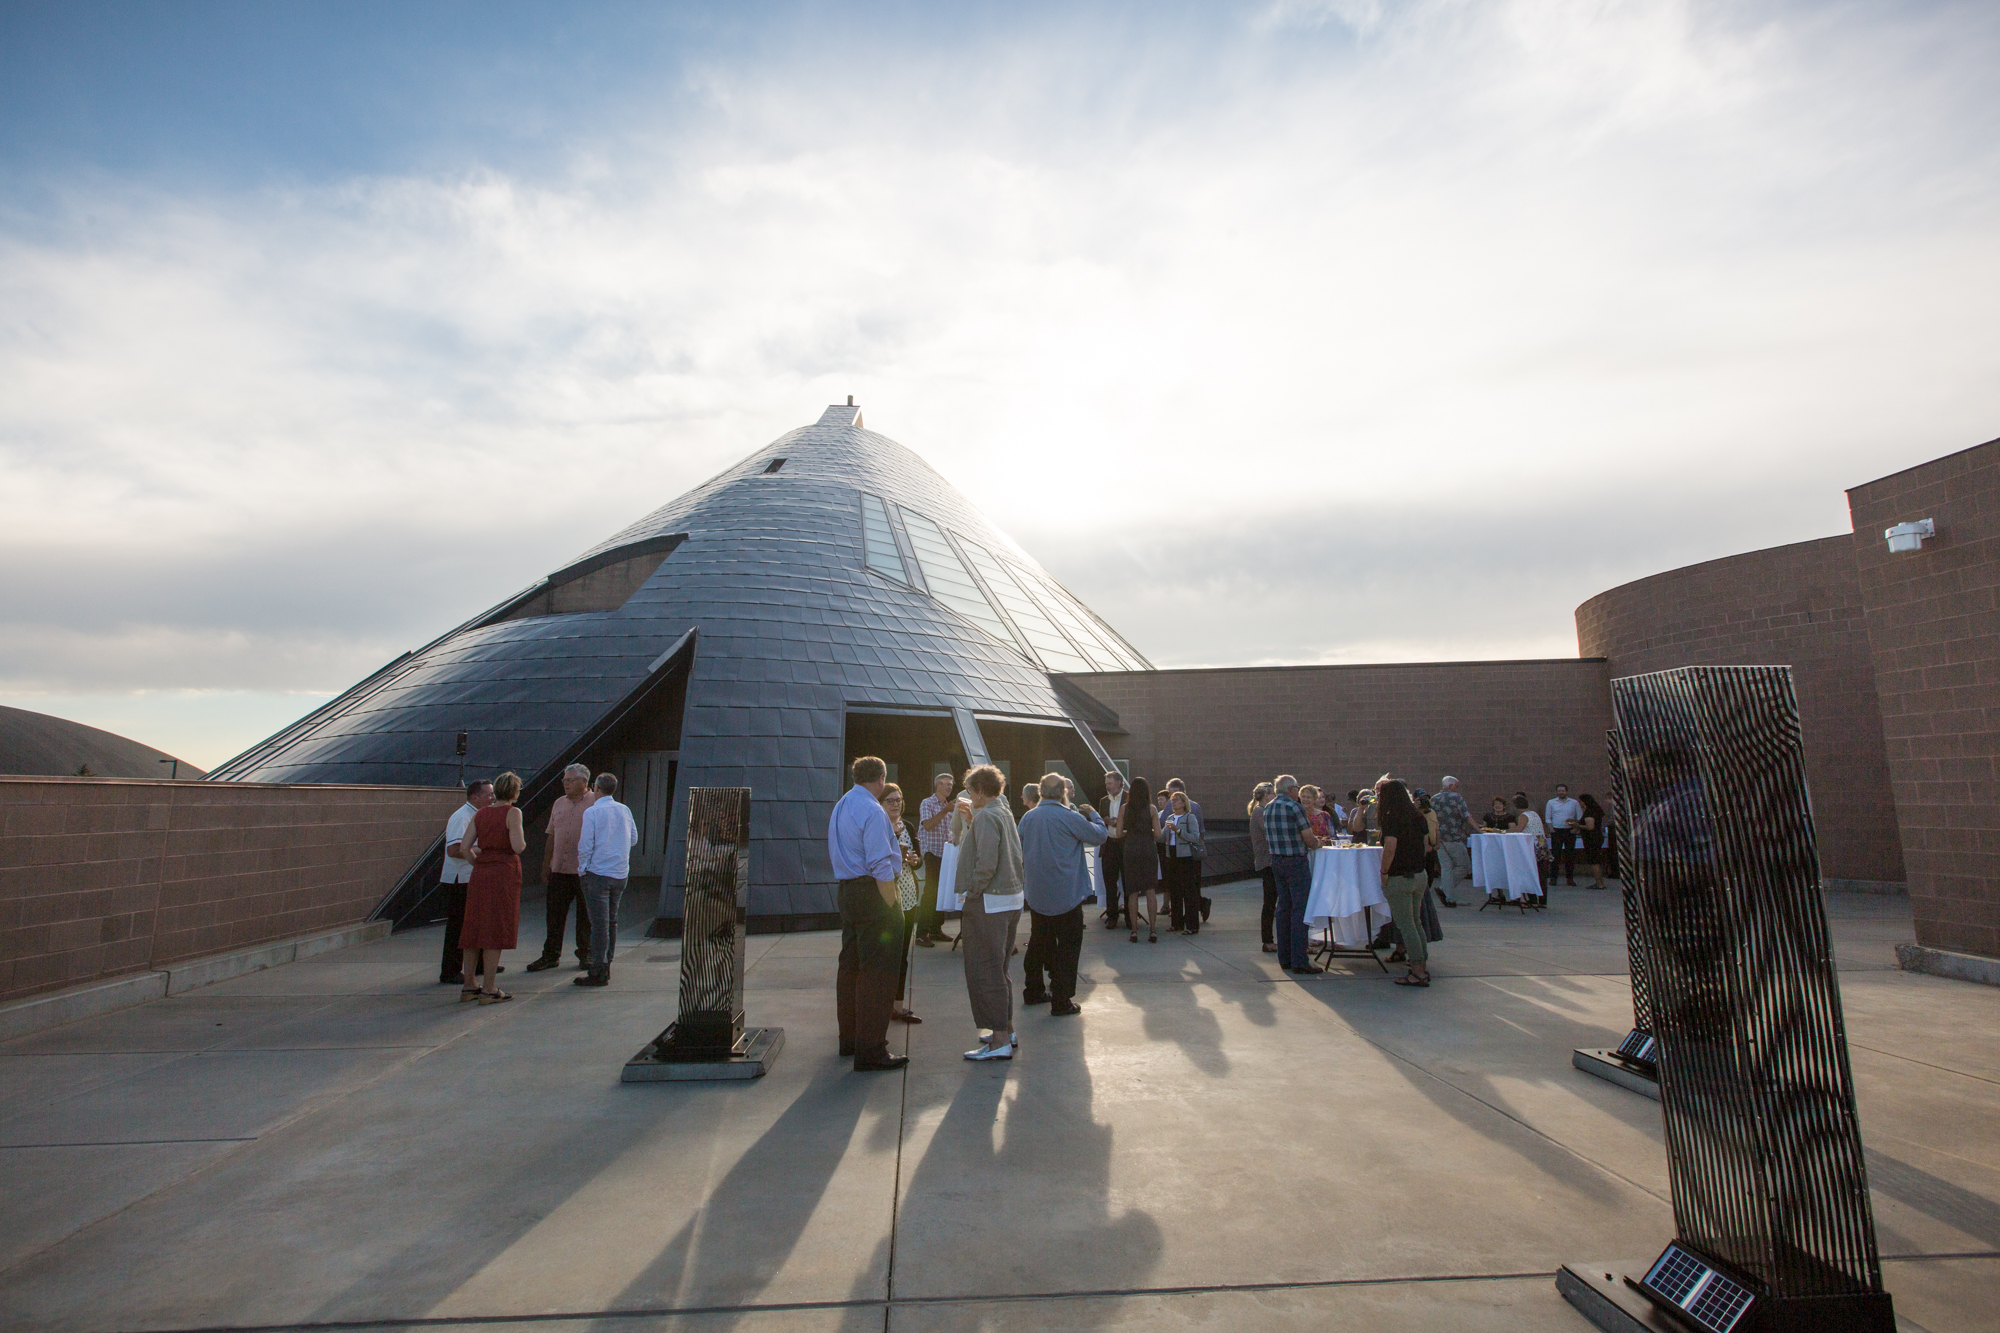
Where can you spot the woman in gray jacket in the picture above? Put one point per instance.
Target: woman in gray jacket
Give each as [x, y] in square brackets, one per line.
[1182, 828]
[991, 890]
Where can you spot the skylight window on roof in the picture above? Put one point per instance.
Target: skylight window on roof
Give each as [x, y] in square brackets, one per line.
[948, 580]
[1128, 659]
[878, 542]
[1057, 653]
[1102, 658]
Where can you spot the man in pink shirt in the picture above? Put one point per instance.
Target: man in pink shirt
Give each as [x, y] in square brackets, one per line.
[559, 870]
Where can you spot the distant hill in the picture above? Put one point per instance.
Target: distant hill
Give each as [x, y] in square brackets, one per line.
[42, 746]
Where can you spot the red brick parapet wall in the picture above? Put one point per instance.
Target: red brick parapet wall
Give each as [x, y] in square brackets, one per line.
[100, 877]
[1496, 726]
[1798, 606]
[1933, 620]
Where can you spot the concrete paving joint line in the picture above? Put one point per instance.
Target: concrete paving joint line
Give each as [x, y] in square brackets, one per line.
[859, 1303]
[19, 1018]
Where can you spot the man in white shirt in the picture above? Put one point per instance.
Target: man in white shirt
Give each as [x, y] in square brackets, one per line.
[1562, 816]
[456, 874]
[604, 860]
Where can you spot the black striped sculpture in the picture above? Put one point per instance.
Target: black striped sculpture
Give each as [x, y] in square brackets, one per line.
[707, 1039]
[1770, 1194]
[1630, 1064]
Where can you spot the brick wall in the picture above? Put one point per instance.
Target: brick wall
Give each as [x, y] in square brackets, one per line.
[1933, 619]
[1798, 606]
[1496, 726]
[99, 877]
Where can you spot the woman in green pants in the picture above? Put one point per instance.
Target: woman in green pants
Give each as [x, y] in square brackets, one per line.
[1405, 835]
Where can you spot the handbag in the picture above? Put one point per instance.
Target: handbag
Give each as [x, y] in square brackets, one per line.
[1428, 913]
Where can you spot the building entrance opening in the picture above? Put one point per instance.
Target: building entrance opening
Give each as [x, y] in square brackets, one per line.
[646, 785]
[914, 747]
[1027, 750]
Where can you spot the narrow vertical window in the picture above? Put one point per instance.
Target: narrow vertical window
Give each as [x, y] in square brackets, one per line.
[878, 540]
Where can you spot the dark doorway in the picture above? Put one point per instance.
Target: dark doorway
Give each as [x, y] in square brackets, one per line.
[642, 752]
[1027, 750]
[915, 748]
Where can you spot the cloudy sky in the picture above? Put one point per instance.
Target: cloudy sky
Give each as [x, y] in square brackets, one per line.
[1288, 332]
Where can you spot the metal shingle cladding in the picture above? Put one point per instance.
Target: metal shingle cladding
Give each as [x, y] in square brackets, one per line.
[794, 626]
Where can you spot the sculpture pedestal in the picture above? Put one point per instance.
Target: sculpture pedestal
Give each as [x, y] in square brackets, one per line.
[710, 1040]
[753, 1057]
[1599, 1293]
[1610, 1067]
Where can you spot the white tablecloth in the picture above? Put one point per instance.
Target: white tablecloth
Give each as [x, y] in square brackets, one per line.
[1346, 882]
[1504, 865]
[948, 879]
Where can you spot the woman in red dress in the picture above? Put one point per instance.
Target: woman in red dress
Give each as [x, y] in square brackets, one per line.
[493, 897]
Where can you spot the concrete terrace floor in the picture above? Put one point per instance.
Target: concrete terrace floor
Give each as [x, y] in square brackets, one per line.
[1212, 1145]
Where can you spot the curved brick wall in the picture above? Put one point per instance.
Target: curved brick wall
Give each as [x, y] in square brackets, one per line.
[1934, 619]
[1797, 606]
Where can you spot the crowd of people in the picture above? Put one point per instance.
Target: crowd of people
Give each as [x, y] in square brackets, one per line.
[586, 861]
[1149, 853]
[1149, 848]
[1003, 867]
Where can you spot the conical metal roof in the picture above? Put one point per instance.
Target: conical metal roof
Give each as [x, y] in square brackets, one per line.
[829, 570]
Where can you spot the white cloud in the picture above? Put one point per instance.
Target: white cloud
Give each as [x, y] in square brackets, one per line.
[1546, 294]
[1362, 16]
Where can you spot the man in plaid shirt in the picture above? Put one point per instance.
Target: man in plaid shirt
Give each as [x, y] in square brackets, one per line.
[1289, 835]
[1454, 827]
[933, 831]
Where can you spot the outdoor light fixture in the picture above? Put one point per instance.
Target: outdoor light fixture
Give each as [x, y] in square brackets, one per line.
[1910, 536]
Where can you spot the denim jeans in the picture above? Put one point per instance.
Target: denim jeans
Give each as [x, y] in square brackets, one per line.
[602, 894]
[1294, 876]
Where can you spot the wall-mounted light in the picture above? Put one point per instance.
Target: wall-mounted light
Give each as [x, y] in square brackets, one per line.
[1910, 536]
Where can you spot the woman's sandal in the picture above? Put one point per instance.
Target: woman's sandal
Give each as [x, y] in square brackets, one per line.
[1152, 939]
[1412, 979]
[1135, 937]
[493, 996]
[468, 995]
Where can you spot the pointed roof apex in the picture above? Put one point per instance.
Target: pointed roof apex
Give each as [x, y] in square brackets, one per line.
[837, 415]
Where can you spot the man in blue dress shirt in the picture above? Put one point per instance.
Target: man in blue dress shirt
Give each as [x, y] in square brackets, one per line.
[1054, 878]
[866, 857]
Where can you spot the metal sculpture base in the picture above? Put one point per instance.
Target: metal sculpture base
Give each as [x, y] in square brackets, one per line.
[1599, 1293]
[1614, 1068]
[753, 1056]
[1607, 1295]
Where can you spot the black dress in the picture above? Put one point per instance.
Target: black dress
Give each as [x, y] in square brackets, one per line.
[1142, 859]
